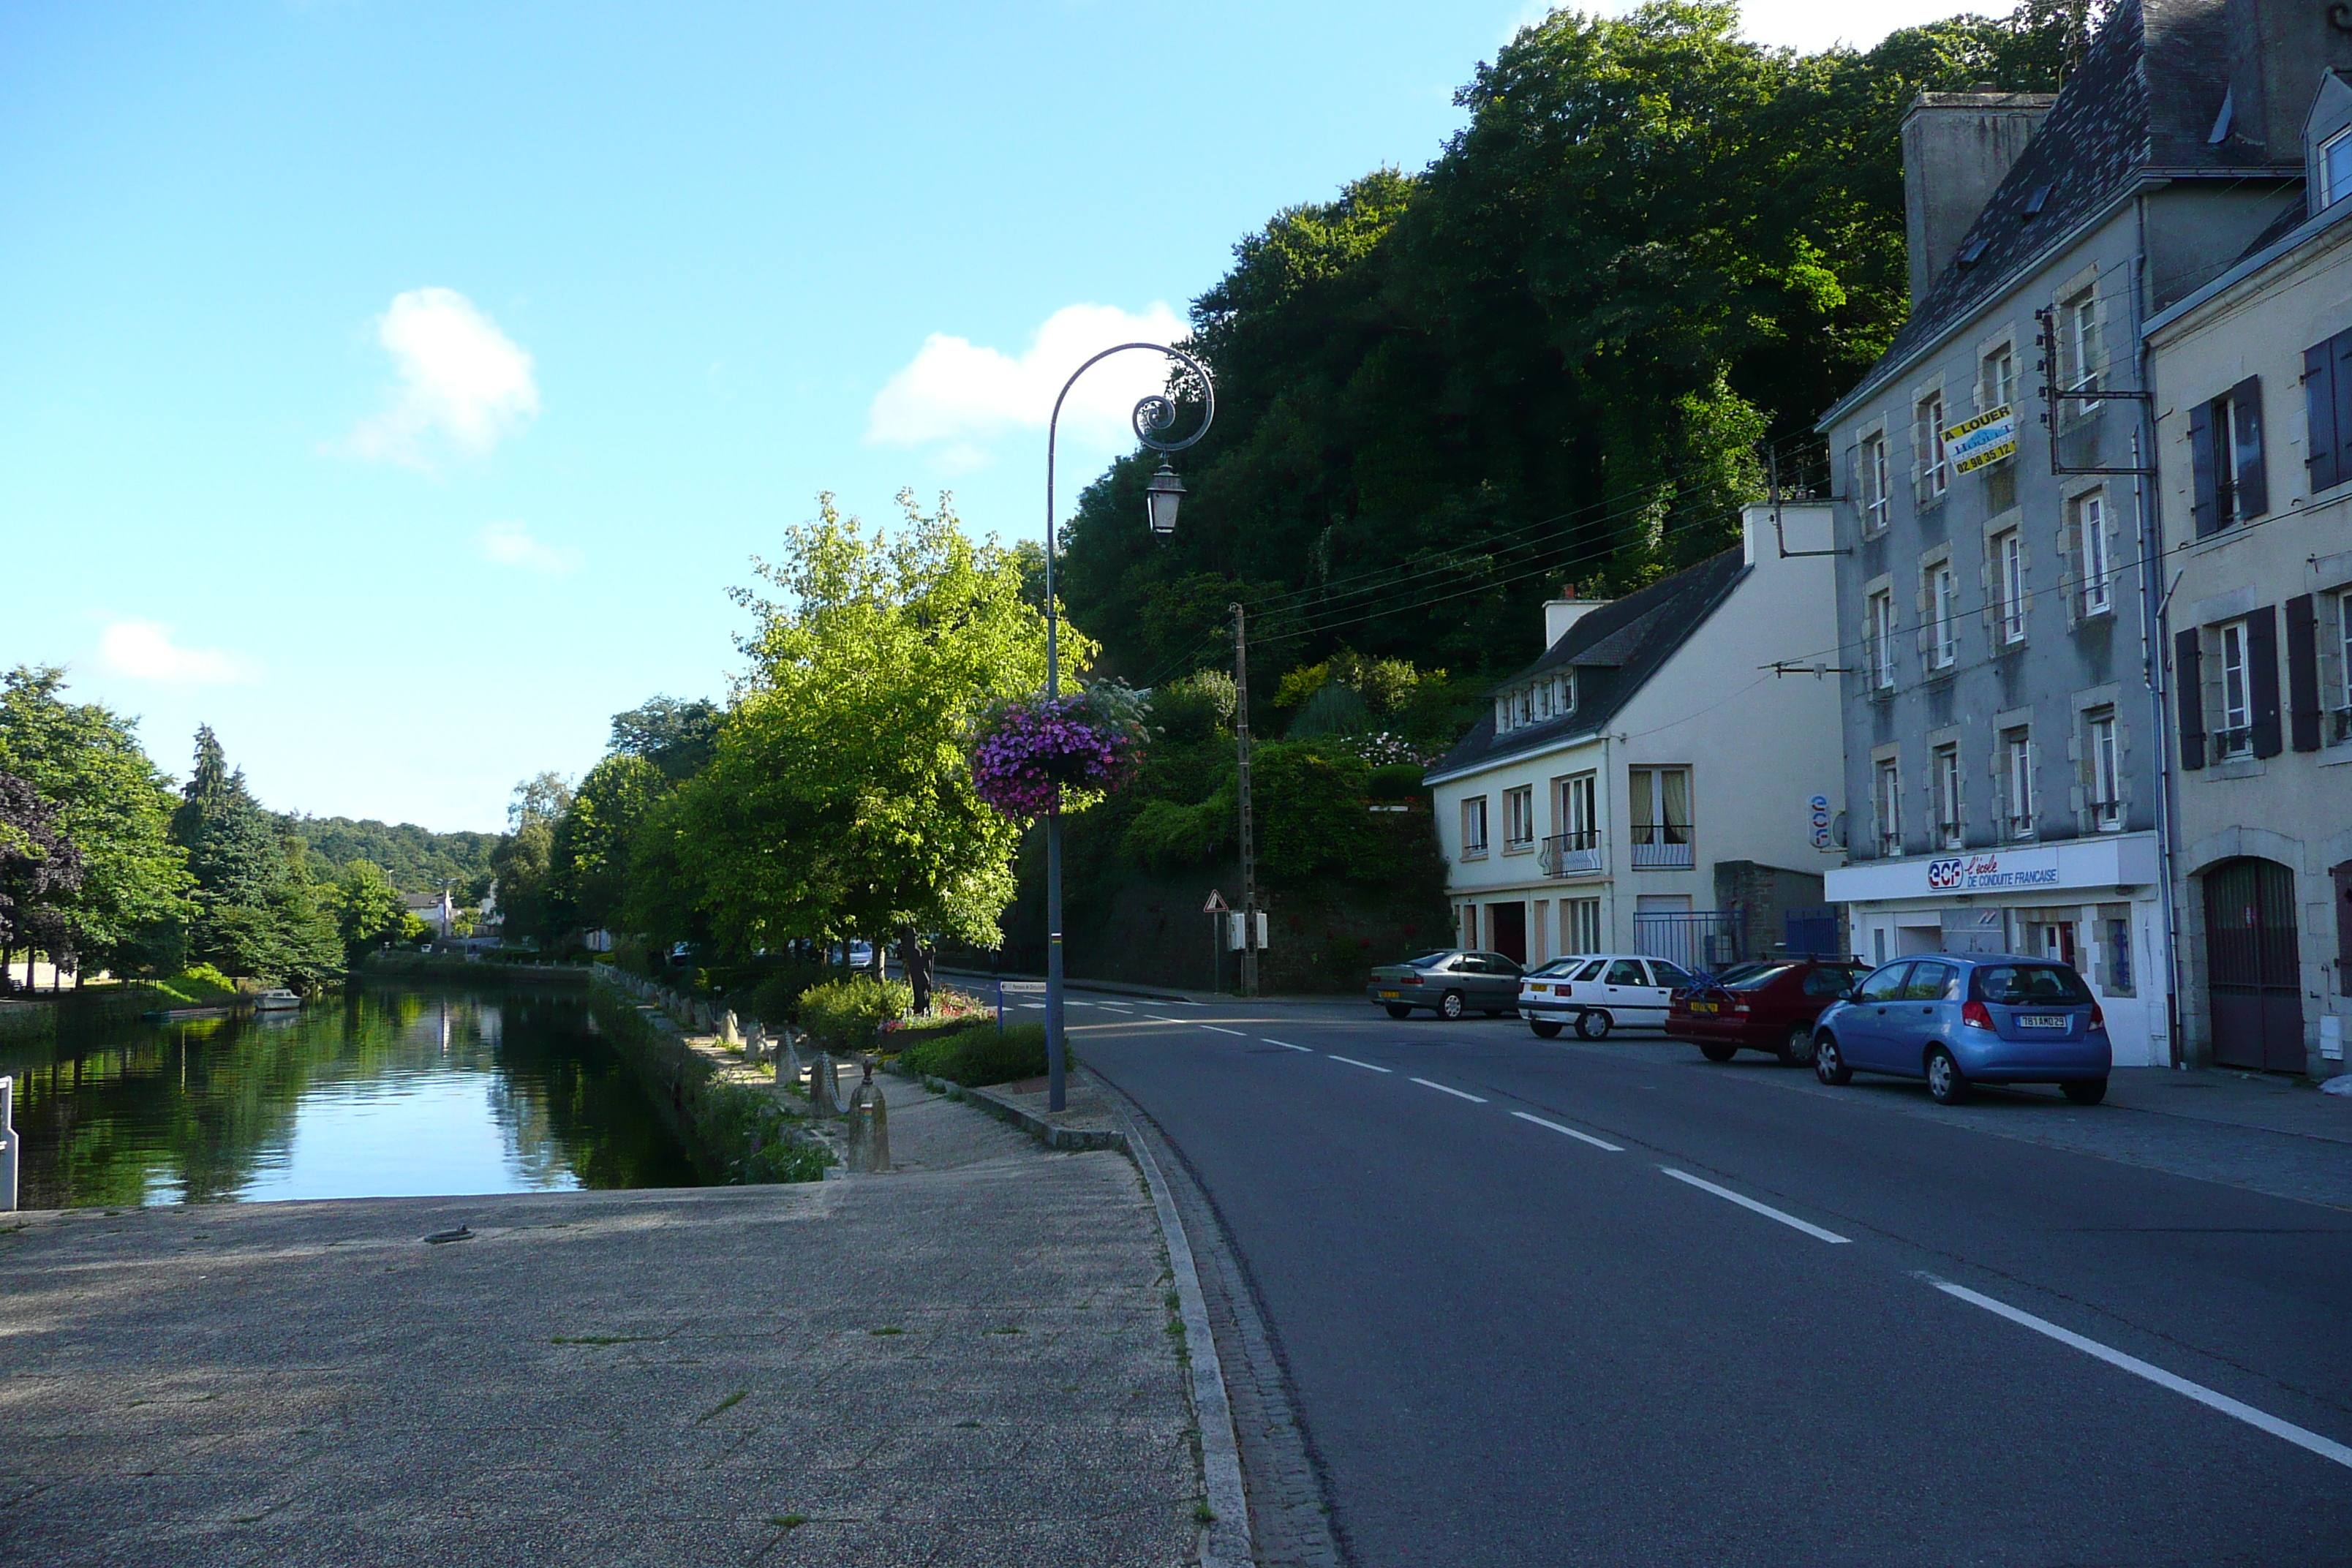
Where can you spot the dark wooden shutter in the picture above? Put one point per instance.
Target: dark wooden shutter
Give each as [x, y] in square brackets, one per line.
[2319, 414]
[2339, 388]
[2205, 506]
[2262, 679]
[2342, 876]
[2303, 673]
[2253, 471]
[2189, 689]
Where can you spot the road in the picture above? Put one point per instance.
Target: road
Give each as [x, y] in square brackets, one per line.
[1556, 1303]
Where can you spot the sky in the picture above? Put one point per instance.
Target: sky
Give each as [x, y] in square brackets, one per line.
[399, 387]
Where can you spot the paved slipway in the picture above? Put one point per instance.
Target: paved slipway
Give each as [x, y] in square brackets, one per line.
[968, 1361]
[1552, 1302]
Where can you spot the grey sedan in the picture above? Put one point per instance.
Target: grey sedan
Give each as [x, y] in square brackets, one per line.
[1449, 983]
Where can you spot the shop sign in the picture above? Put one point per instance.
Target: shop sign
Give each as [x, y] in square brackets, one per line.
[1817, 819]
[1986, 438]
[1993, 873]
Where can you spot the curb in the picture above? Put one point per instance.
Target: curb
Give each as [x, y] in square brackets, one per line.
[1028, 1121]
[1108, 988]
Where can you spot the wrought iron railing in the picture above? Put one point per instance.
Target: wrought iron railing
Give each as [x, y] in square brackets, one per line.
[1703, 939]
[2238, 742]
[1663, 847]
[1576, 853]
[2339, 725]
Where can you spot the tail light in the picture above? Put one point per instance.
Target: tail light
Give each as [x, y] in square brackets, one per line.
[2098, 1018]
[1976, 1015]
[1409, 979]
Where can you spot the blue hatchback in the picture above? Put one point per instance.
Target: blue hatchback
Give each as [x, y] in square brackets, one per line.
[1960, 1018]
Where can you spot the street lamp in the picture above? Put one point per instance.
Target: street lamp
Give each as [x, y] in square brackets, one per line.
[1153, 417]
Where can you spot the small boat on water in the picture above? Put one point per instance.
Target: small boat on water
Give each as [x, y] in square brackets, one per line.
[277, 1001]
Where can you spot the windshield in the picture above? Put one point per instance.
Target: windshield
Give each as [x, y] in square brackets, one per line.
[1427, 961]
[1557, 966]
[2026, 985]
[1752, 976]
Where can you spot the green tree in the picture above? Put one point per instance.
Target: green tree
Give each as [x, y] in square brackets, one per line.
[369, 910]
[676, 737]
[257, 910]
[530, 904]
[588, 850]
[114, 805]
[839, 802]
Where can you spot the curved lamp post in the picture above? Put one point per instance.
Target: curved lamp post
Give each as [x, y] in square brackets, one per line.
[1153, 417]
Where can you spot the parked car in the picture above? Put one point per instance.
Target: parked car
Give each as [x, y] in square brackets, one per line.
[1767, 1005]
[1963, 1018]
[1450, 983]
[1598, 992]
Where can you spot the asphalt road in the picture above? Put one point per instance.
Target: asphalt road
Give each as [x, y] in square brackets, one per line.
[1529, 1314]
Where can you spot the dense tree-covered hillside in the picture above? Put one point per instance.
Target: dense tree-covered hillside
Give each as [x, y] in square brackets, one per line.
[417, 860]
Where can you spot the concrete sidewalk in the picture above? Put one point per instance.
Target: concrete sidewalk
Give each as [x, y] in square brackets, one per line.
[966, 1362]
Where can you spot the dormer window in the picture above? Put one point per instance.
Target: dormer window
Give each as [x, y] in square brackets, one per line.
[1535, 702]
[2336, 169]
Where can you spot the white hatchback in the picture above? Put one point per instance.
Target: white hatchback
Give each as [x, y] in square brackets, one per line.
[1598, 992]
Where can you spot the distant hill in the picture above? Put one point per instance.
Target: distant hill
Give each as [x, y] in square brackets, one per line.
[417, 860]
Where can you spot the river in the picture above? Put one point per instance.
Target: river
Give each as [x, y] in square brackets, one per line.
[384, 1091]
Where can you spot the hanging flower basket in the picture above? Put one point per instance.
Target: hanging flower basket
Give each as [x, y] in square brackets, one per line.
[1030, 752]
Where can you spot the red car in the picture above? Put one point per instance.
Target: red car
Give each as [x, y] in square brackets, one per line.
[1767, 1006]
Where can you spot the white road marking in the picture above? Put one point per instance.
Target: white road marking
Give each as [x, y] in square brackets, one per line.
[1570, 1132]
[1286, 1045]
[1222, 1030]
[1354, 1063]
[1767, 1210]
[1454, 1093]
[2325, 1447]
[1036, 1006]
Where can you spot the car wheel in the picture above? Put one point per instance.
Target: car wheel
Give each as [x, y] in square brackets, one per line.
[1945, 1084]
[1828, 1062]
[1593, 1026]
[1398, 1010]
[1450, 1004]
[1797, 1050]
[2088, 1092]
[1545, 1029]
[1717, 1051]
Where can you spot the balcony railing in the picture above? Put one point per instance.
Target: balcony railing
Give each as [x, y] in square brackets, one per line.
[2339, 725]
[1574, 854]
[2234, 742]
[2019, 828]
[2108, 815]
[1663, 847]
[1948, 834]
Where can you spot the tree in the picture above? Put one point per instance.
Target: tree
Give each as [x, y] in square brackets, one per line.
[257, 911]
[39, 869]
[676, 737]
[838, 801]
[588, 851]
[369, 910]
[114, 805]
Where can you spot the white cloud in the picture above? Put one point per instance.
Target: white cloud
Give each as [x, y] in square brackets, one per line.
[510, 544]
[956, 395]
[145, 650]
[462, 383]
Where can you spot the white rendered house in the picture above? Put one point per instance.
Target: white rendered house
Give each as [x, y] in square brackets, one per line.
[1651, 784]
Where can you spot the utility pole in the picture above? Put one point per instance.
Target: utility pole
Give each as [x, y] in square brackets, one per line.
[1249, 841]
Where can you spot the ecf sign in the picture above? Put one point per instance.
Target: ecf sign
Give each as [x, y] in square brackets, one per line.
[1818, 815]
[1986, 874]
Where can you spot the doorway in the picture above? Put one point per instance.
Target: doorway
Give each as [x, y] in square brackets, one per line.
[1509, 923]
[2254, 983]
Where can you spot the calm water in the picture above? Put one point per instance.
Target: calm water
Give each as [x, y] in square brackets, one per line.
[383, 1092]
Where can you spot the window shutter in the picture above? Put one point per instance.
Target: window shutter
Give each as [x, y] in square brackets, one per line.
[2204, 506]
[2188, 690]
[2303, 673]
[2263, 681]
[2246, 451]
[2339, 388]
[2319, 414]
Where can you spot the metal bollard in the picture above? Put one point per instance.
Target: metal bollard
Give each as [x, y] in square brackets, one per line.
[869, 1127]
[7, 1145]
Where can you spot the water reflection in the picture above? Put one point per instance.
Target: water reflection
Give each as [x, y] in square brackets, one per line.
[384, 1092]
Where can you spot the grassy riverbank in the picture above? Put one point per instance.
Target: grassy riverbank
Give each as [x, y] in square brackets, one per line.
[728, 1116]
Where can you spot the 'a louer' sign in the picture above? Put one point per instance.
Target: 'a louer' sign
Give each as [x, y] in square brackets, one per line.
[1986, 438]
[1986, 874]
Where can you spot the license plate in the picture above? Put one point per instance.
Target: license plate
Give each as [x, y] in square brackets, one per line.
[1537, 990]
[2043, 1020]
[1388, 995]
[1704, 1008]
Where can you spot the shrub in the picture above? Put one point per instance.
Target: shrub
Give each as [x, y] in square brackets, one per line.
[842, 1015]
[776, 1000]
[976, 1056]
[199, 986]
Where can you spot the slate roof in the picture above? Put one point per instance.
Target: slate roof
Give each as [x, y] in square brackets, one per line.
[1614, 650]
[2144, 102]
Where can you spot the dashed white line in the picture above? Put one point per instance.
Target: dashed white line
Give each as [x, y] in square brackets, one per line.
[1222, 1030]
[1354, 1063]
[1570, 1132]
[2325, 1447]
[1158, 1019]
[1454, 1093]
[1286, 1045]
[1767, 1210]
[1036, 1006]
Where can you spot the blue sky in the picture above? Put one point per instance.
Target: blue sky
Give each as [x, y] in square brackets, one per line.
[398, 387]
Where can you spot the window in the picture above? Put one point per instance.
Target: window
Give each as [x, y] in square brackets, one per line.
[1874, 478]
[1933, 470]
[1949, 826]
[1882, 640]
[2008, 586]
[1943, 617]
[1474, 828]
[2336, 169]
[2228, 481]
[1886, 801]
[2235, 735]
[2016, 780]
[1661, 810]
[2086, 517]
[2114, 950]
[1626, 971]
[2105, 769]
[1519, 817]
[1996, 379]
[1580, 924]
[2081, 356]
[1576, 816]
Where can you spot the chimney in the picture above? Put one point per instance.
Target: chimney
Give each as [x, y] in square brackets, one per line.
[1561, 614]
[1956, 148]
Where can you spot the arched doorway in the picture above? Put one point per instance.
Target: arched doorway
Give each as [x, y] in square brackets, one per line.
[2253, 983]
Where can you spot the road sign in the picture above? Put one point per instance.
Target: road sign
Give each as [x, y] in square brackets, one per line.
[1216, 904]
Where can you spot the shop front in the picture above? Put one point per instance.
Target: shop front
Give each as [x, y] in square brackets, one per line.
[2092, 903]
